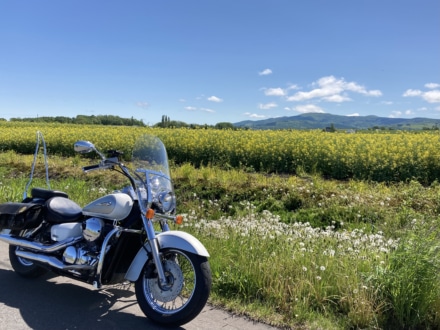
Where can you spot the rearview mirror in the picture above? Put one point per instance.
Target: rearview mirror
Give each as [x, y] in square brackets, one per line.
[83, 147]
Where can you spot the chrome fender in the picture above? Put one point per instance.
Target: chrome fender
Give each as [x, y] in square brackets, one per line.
[169, 239]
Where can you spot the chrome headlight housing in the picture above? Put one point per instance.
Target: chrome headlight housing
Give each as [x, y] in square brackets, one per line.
[167, 201]
[162, 193]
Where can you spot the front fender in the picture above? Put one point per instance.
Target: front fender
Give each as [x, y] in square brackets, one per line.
[169, 239]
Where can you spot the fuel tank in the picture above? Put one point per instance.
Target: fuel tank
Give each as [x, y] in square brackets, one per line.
[115, 206]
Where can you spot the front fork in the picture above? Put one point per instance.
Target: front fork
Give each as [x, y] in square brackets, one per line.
[151, 236]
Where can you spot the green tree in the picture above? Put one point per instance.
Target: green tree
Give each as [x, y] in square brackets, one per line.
[224, 125]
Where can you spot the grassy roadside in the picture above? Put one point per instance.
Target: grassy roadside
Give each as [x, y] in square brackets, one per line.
[294, 251]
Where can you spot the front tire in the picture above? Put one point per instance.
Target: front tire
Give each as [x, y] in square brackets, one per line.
[24, 267]
[189, 277]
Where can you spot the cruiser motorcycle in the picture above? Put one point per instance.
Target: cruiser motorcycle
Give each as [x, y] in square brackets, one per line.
[119, 238]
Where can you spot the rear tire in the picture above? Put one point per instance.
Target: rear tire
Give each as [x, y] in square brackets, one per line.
[190, 281]
[24, 267]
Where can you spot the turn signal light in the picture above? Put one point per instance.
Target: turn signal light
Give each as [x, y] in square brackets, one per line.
[150, 214]
[179, 219]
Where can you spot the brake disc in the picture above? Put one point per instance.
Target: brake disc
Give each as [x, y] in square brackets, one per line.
[171, 291]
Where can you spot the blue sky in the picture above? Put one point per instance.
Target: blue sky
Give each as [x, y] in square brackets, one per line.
[219, 61]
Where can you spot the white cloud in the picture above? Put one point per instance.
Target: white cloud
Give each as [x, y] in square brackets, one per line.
[353, 115]
[267, 106]
[332, 89]
[308, 108]
[431, 96]
[395, 114]
[432, 85]
[254, 115]
[207, 110]
[275, 92]
[143, 105]
[265, 72]
[408, 112]
[214, 99]
[302, 96]
[412, 92]
[189, 108]
[374, 92]
[354, 87]
[337, 98]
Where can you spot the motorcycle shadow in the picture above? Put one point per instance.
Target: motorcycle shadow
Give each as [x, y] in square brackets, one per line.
[52, 302]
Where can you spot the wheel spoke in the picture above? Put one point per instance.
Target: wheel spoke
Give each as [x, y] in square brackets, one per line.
[179, 269]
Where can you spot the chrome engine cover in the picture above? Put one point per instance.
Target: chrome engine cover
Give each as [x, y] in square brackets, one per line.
[115, 206]
[77, 256]
[92, 229]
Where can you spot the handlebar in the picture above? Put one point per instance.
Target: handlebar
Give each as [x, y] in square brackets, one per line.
[91, 168]
[105, 164]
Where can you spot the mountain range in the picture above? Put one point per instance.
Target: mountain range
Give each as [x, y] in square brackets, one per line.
[324, 120]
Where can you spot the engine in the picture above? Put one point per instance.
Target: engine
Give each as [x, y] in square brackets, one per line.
[116, 206]
[78, 255]
[87, 251]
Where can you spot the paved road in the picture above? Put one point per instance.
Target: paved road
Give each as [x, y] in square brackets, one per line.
[58, 303]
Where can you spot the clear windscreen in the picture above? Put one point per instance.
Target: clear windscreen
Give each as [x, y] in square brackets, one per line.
[150, 161]
[149, 153]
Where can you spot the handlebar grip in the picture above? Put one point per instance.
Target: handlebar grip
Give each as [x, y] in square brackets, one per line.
[90, 168]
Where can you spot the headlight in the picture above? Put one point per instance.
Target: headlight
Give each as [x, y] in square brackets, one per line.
[156, 183]
[167, 201]
[162, 193]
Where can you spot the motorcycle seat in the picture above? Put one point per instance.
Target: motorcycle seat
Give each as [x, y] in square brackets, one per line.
[46, 193]
[62, 210]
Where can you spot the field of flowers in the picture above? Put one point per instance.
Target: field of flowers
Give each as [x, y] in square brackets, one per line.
[296, 251]
[398, 156]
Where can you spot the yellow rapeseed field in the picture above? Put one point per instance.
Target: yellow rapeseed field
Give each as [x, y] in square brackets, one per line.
[379, 156]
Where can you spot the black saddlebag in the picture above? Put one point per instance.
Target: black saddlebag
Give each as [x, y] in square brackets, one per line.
[18, 216]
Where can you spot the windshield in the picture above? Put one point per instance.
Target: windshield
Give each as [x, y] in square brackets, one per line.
[151, 164]
[149, 153]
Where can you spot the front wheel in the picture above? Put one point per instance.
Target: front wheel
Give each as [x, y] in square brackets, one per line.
[185, 295]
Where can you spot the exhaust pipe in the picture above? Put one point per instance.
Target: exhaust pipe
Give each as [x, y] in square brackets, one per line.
[51, 261]
[38, 246]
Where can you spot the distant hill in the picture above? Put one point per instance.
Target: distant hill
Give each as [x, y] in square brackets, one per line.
[323, 120]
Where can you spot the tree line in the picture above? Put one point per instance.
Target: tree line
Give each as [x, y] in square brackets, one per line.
[166, 122]
[83, 119]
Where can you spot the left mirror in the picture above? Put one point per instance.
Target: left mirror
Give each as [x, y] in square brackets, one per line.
[83, 147]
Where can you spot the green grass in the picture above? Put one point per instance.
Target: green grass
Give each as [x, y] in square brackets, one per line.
[293, 251]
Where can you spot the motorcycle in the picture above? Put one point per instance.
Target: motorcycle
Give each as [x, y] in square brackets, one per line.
[122, 237]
